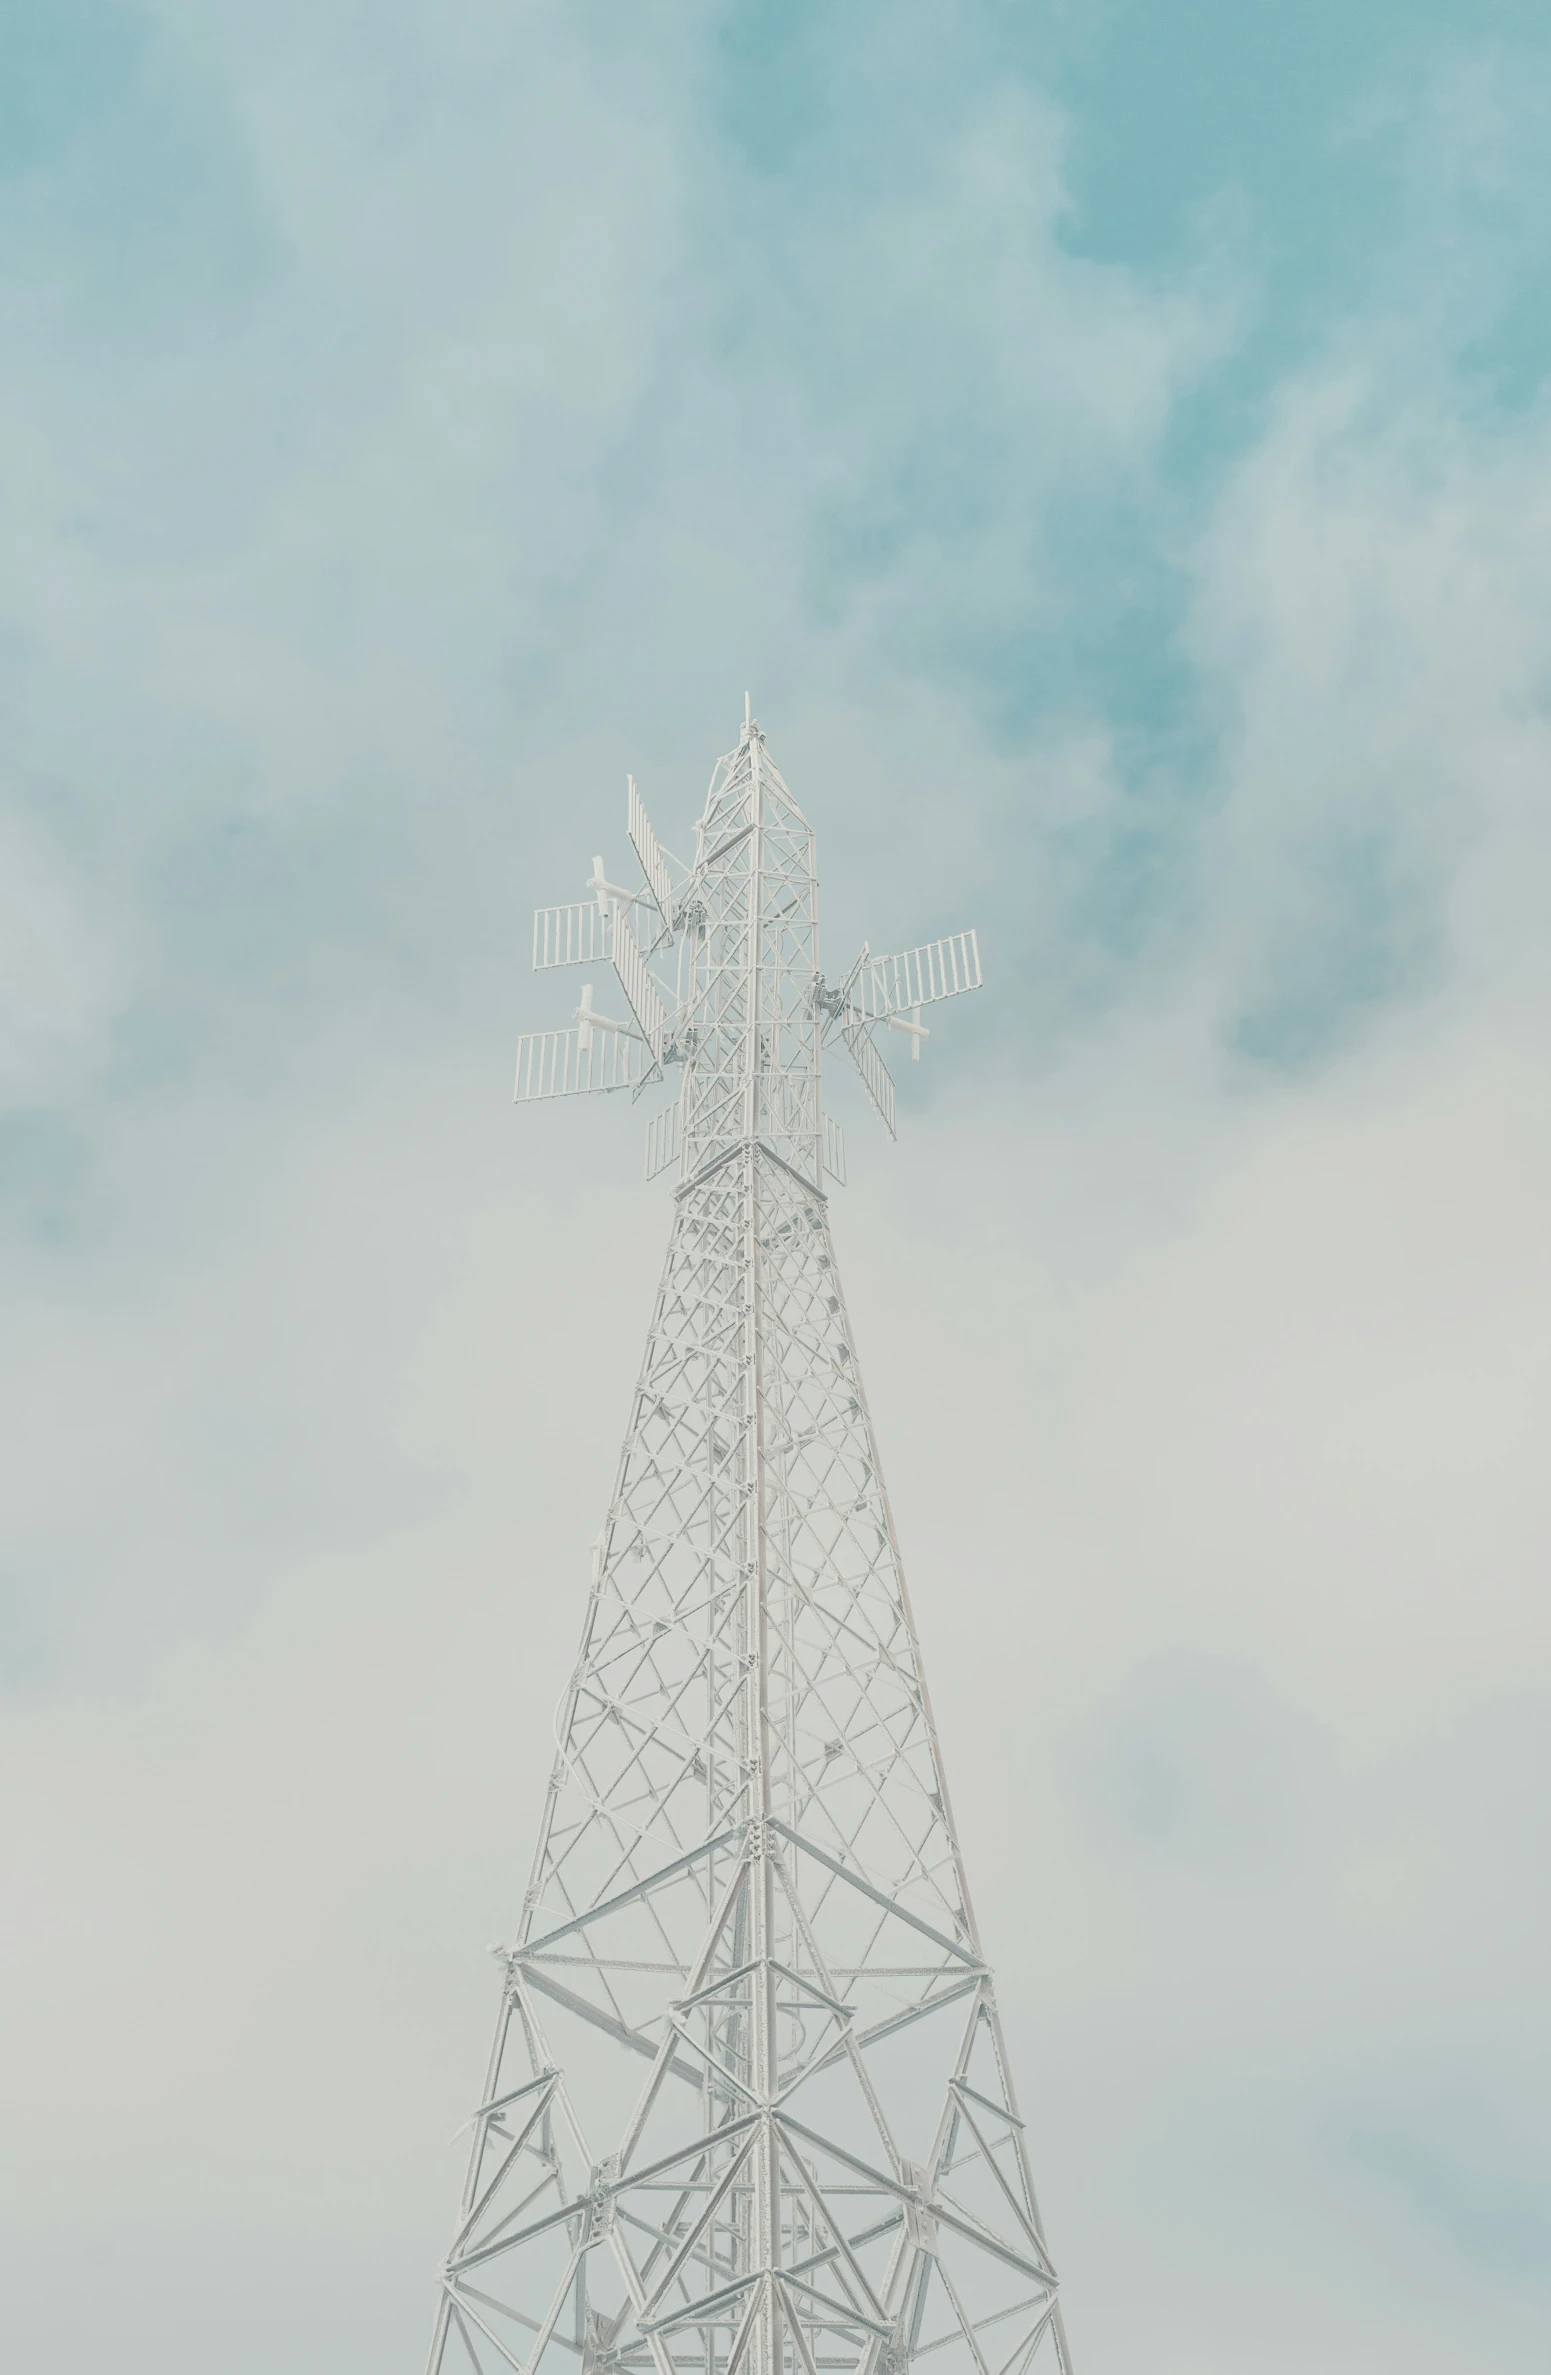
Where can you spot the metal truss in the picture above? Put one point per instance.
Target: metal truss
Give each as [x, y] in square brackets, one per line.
[748, 2110]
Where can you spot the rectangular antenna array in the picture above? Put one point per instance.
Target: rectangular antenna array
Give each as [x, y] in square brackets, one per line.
[644, 996]
[664, 1138]
[877, 1079]
[653, 864]
[834, 1150]
[554, 1064]
[581, 934]
[920, 976]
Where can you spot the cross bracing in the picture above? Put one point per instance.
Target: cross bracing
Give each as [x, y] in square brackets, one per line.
[748, 2109]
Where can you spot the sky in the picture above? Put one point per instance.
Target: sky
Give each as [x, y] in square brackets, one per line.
[1111, 440]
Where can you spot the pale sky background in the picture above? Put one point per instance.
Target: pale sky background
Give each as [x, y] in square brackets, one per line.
[1113, 444]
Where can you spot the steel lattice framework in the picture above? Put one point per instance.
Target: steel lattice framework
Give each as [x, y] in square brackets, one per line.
[748, 2109]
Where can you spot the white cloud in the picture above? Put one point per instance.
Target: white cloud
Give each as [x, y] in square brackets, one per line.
[1212, 1391]
[1374, 622]
[60, 977]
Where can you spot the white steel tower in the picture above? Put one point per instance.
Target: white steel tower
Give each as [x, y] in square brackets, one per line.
[748, 2109]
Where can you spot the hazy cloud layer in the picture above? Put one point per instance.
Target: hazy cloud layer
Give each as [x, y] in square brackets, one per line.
[412, 418]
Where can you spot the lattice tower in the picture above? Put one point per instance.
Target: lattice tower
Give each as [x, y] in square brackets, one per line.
[748, 2110]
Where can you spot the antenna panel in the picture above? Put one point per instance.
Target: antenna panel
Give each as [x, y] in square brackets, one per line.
[653, 864]
[877, 1079]
[581, 934]
[920, 976]
[554, 1064]
[664, 1138]
[844, 988]
[834, 1149]
[644, 995]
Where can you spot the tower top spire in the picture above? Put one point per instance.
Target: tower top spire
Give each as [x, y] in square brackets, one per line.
[717, 962]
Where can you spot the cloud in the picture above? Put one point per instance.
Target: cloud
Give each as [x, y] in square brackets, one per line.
[1372, 609]
[59, 976]
[559, 379]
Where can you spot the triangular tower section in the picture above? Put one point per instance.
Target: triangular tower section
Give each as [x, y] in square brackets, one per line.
[749, 2106]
